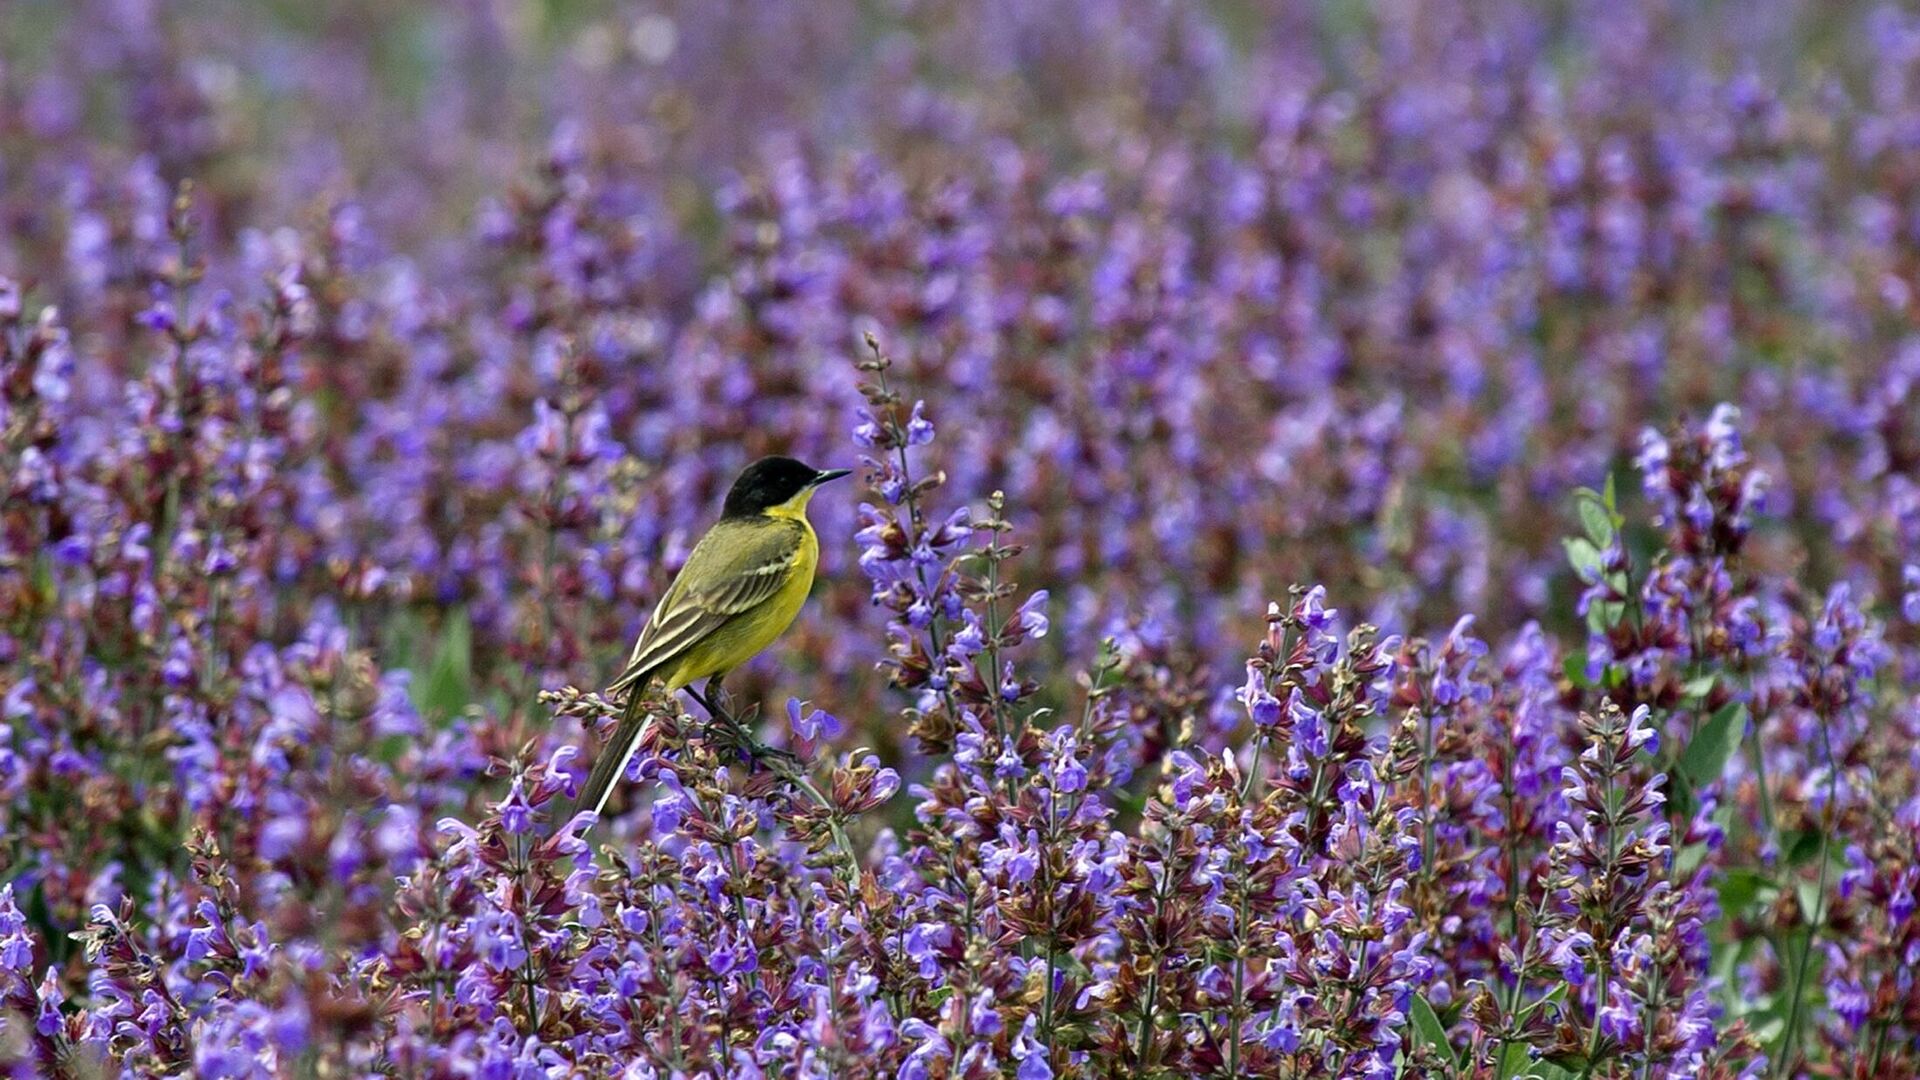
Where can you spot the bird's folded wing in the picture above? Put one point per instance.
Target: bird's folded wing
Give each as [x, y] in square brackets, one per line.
[733, 569]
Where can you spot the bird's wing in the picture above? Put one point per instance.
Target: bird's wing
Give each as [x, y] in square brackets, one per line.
[736, 566]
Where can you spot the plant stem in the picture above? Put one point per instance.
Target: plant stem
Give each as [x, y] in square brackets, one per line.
[1239, 981]
[526, 968]
[1053, 940]
[783, 767]
[1147, 1025]
[1603, 950]
[1759, 756]
[1792, 1034]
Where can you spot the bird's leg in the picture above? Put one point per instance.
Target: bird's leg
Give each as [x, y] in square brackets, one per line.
[720, 724]
[700, 695]
[721, 702]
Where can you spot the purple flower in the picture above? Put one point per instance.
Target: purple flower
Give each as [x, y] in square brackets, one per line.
[1031, 1055]
[1900, 907]
[325, 520]
[923, 941]
[1262, 707]
[982, 1017]
[1309, 729]
[516, 816]
[1568, 953]
[812, 724]
[1640, 734]
[1032, 615]
[16, 945]
[867, 432]
[919, 428]
[1070, 776]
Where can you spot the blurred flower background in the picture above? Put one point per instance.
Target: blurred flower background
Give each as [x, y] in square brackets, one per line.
[367, 370]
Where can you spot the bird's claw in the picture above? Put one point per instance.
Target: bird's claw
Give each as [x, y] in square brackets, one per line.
[733, 738]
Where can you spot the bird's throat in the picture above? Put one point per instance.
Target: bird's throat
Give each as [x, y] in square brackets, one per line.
[794, 509]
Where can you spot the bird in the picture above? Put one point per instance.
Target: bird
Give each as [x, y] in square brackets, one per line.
[740, 589]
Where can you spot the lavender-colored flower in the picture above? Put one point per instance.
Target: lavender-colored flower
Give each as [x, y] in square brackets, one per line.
[319, 509]
[812, 724]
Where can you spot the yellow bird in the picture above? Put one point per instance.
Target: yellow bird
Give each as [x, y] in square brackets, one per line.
[740, 589]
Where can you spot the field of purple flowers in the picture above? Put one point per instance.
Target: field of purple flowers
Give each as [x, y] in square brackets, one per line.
[1390, 543]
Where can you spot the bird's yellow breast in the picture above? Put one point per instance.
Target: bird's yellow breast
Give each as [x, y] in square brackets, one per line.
[745, 635]
[786, 603]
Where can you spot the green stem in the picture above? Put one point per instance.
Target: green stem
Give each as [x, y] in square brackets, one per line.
[1053, 940]
[1593, 1036]
[964, 991]
[793, 774]
[1648, 1017]
[1251, 780]
[1239, 986]
[739, 912]
[1513, 1000]
[1002, 725]
[785, 768]
[1426, 794]
[1758, 753]
[1147, 1024]
[911, 500]
[1603, 950]
[678, 1060]
[1046, 1015]
[1792, 1034]
[527, 979]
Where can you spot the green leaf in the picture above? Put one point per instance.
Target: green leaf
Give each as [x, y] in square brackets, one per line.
[1576, 670]
[1552, 997]
[1680, 796]
[1800, 846]
[448, 687]
[1607, 497]
[1585, 558]
[1811, 903]
[1595, 519]
[1597, 619]
[1514, 1062]
[401, 637]
[1713, 745]
[1690, 856]
[1604, 615]
[1740, 887]
[1429, 1030]
[46, 590]
[1514, 1065]
[1699, 688]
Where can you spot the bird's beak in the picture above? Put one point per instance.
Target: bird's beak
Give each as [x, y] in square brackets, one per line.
[829, 474]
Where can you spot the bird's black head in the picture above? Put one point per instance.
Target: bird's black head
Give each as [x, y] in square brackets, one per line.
[772, 482]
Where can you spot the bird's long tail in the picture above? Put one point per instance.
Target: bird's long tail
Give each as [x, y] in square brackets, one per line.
[611, 764]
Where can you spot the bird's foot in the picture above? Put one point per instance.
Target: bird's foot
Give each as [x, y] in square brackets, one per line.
[733, 738]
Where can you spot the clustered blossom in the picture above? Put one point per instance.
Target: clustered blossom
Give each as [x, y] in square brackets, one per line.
[351, 421]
